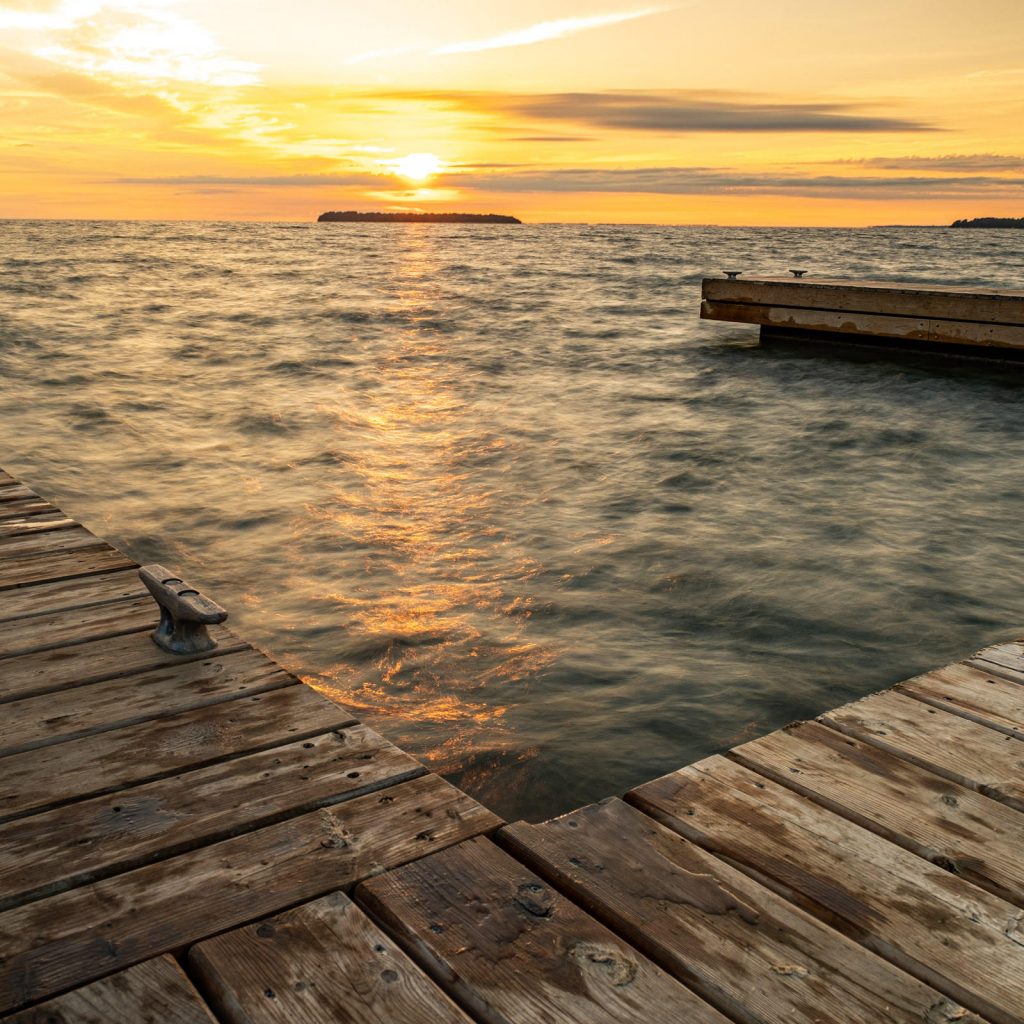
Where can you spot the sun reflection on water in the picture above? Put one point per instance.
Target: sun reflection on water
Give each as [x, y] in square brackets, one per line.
[453, 623]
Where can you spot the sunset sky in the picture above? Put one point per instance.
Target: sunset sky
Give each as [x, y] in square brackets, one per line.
[880, 111]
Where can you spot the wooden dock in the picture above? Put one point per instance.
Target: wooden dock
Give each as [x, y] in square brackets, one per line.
[189, 839]
[971, 321]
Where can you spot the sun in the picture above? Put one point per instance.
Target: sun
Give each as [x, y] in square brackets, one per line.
[417, 166]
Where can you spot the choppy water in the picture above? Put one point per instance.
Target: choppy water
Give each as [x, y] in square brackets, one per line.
[501, 492]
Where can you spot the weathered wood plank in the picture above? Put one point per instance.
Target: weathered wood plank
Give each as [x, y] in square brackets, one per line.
[24, 526]
[1005, 659]
[89, 932]
[952, 332]
[30, 675]
[75, 538]
[982, 697]
[116, 703]
[16, 492]
[153, 992]
[106, 762]
[25, 507]
[322, 963]
[81, 843]
[884, 297]
[949, 825]
[48, 598]
[76, 626]
[952, 935]
[17, 572]
[512, 950]
[956, 748]
[740, 946]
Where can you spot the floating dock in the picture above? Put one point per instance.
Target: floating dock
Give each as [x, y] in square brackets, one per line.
[195, 838]
[939, 318]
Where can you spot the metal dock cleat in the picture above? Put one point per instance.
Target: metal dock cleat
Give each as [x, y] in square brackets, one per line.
[732, 274]
[798, 273]
[184, 612]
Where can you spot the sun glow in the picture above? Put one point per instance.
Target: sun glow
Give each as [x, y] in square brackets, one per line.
[417, 166]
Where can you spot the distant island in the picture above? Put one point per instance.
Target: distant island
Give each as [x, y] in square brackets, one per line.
[990, 222]
[352, 216]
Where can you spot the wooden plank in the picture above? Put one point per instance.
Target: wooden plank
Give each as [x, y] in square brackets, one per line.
[47, 598]
[952, 935]
[16, 492]
[980, 696]
[85, 933]
[1005, 659]
[512, 950]
[29, 675]
[953, 332]
[23, 526]
[743, 948]
[77, 538]
[6, 478]
[106, 762]
[884, 297]
[949, 825]
[153, 992]
[76, 626]
[116, 703]
[81, 843]
[955, 748]
[17, 572]
[25, 507]
[322, 963]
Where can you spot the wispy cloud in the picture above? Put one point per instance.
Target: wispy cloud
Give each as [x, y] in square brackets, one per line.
[948, 162]
[224, 181]
[546, 30]
[725, 181]
[673, 111]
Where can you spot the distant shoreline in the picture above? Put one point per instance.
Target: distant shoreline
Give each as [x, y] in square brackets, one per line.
[355, 217]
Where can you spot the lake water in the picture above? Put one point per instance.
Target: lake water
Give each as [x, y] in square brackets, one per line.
[499, 490]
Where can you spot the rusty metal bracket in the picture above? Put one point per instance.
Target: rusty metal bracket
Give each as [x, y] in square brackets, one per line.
[184, 612]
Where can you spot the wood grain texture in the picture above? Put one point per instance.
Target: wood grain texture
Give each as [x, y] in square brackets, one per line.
[153, 992]
[742, 947]
[948, 824]
[16, 492]
[49, 598]
[116, 703]
[19, 572]
[66, 667]
[106, 762]
[854, 323]
[75, 626]
[25, 526]
[80, 843]
[73, 538]
[891, 298]
[322, 963]
[956, 748]
[25, 507]
[983, 697]
[86, 933]
[511, 950]
[951, 934]
[1005, 659]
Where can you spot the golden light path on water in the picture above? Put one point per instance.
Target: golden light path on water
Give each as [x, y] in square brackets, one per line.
[420, 514]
